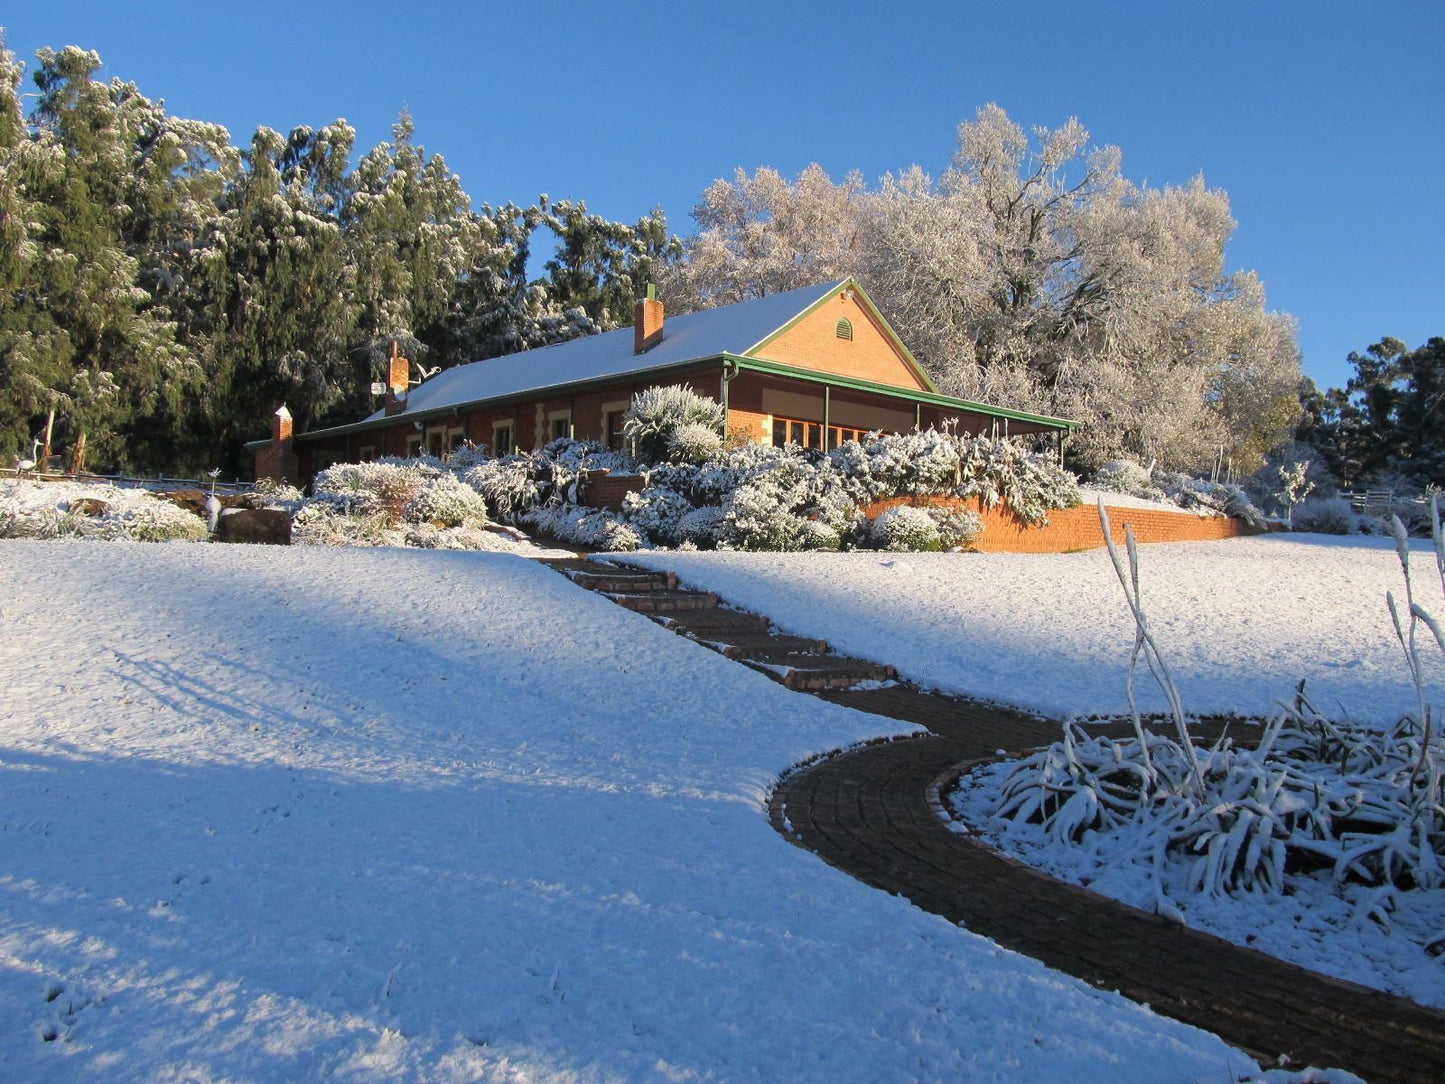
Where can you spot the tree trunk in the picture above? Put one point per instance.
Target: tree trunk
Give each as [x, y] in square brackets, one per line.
[77, 455]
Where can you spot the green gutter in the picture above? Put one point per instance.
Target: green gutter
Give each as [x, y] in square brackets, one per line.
[812, 376]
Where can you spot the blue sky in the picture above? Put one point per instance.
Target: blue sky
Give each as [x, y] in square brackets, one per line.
[1321, 120]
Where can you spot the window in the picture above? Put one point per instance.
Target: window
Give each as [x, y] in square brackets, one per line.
[367, 453]
[845, 329]
[436, 442]
[559, 424]
[612, 429]
[792, 431]
[503, 442]
[808, 434]
[413, 445]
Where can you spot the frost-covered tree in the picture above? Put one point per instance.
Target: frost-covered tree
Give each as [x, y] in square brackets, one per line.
[1033, 274]
[763, 234]
[112, 180]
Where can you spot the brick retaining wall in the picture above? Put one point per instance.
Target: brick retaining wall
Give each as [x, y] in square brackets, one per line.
[1078, 528]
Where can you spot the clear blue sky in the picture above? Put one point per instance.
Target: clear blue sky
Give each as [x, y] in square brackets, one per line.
[1322, 120]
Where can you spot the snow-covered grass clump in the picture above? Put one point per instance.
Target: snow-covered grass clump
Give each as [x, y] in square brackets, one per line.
[97, 512]
[1330, 823]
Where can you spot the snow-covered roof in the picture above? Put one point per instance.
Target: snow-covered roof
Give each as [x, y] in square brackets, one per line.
[731, 329]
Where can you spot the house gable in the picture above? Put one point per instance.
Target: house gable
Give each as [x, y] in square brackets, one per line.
[817, 339]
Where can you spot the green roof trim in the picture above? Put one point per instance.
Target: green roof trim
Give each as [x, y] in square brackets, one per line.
[861, 295]
[928, 398]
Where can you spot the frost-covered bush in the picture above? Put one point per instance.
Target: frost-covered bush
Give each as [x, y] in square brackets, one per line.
[814, 534]
[905, 529]
[657, 513]
[98, 512]
[591, 528]
[658, 414]
[1362, 807]
[1325, 515]
[957, 527]
[388, 486]
[329, 523]
[447, 501]
[1124, 476]
[516, 483]
[510, 485]
[273, 493]
[1222, 498]
[702, 527]
[694, 442]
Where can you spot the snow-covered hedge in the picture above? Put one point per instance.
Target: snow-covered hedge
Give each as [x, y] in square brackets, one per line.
[1181, 490]
[99, 512]
[394, 502]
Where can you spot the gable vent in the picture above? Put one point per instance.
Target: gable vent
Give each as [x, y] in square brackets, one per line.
[845, 329]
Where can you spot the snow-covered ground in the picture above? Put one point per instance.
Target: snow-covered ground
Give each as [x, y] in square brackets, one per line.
[1240, 621]
[275, 814]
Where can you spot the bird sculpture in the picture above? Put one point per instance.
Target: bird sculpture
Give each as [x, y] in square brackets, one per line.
[23, 465]
[213, 505]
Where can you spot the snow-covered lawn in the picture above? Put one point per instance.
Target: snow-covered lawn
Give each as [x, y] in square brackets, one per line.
[1239, 621]
[275, 814]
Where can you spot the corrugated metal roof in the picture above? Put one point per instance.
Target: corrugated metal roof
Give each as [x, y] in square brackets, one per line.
[727, 330]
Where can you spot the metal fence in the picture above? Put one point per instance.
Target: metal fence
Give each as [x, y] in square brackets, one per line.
[160, 483]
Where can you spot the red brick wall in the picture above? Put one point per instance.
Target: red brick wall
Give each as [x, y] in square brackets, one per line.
[1079, 528]
[813, 343]
[604, 490]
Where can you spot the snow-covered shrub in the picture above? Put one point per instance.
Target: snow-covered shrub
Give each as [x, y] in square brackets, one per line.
[55, 510]
[694, 442]
[387, 485]
[1004, 472]
[161, 521]
[591, 528]
[1365, 807]
[329, 523]
[1220, 497]
[1325, 515]
[905, 529]
[658, 413]
[509, 484]
[957, 527]
[657, 513]
[702, 527]
[815, 534]
[274, 493]
[468, 536]
[1124, 476]
[448, 502]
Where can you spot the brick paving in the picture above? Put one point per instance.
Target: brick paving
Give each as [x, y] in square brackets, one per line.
[873, 812]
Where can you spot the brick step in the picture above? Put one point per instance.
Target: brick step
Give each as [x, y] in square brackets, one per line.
[718, 624]
[665, 602]
[823, 671]
[624, 583]
[752, 645]
[803, 653]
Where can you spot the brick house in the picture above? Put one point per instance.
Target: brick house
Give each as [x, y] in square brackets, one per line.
[814, 366]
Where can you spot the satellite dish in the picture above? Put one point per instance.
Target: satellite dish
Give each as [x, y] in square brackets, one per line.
[378, 388]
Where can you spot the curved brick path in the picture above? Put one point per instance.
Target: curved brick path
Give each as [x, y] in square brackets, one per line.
[872, 812]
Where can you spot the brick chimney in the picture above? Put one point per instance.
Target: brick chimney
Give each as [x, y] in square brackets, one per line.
[277, 458]
[646, 322]
[281, 428]
[398, 382]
